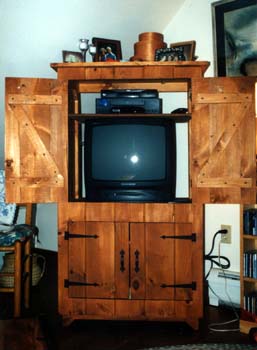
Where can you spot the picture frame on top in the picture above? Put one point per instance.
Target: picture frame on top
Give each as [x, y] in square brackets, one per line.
[107, 50]
[187, 48]
[234, 37]
[71, 56]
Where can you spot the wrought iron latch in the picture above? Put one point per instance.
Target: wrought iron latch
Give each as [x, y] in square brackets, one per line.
[191, 237]
[68, 235]
[137, 267]
[122, 260]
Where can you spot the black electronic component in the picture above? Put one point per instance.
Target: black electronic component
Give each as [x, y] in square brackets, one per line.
[128, 105]
[130, 93]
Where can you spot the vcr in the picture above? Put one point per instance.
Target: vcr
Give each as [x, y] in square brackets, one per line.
[129, 105]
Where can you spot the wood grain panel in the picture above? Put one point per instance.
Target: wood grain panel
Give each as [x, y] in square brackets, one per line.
[130, 73]
[127, 212]
[183, 261]
[186, 72]
[160, 263]
[72, 73]
[183, 212]
[100, 260]
[101, 308]
[100, 211]
[159, 72]
[34, 99]
[223, 140]
[91, 259]
[34, 140]
[77, 260]
[97, 73]
[159, 212]
[122, 260]
[164, 86]
[159, 309]
[130, 309]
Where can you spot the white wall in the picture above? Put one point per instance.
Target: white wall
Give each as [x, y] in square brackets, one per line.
[223, 214]
[227, 291]
[194, 22]
[33, 34]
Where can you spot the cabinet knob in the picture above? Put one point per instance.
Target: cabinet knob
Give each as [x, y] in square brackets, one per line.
[135, 284]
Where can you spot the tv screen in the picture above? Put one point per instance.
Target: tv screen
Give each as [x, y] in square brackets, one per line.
[130, 159]
[125, 152]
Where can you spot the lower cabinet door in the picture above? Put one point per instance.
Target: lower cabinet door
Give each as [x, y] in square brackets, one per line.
[133, 261]
[91, 260]
[161, 261]
[152, 261]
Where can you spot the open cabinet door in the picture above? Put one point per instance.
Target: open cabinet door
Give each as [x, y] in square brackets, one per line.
[36, 140]
[223, 155]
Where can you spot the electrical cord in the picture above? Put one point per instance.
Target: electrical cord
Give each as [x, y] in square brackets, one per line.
[212, 259]
[216, 259]
[236, 319]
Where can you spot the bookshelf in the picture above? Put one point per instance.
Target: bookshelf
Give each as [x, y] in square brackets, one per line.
[248, 264]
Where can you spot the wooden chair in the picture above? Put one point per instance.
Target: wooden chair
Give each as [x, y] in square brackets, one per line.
[22, 265]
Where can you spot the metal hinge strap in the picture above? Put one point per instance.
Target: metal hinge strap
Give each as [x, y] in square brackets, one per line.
[68, 283]
[68, 235]
[191, 237]
[186, 285]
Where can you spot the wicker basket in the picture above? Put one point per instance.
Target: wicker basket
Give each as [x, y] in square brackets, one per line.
[8, 267]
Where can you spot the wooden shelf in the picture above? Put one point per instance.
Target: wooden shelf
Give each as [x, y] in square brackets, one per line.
[248, 284]
[202, 64]
[134, 72]
[249, 279]
[179, 118]
[250, 237]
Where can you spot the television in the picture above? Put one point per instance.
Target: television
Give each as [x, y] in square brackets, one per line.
[128, 159]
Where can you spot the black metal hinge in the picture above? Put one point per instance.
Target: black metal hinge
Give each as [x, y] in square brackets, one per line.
[68, 283]
[185, 285]
[191, 237]
[68, 235]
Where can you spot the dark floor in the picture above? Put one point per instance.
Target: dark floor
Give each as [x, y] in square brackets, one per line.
[115, 335]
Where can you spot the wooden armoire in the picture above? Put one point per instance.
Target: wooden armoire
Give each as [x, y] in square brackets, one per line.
[121, 260]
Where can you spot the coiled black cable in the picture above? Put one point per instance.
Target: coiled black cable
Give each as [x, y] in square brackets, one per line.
[216, 259]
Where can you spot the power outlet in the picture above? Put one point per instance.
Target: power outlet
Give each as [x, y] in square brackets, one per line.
[226, 237]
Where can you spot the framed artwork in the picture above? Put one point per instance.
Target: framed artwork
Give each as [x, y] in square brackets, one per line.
[187, 48]
[72, 56]
[234, 37]
[107, 50]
